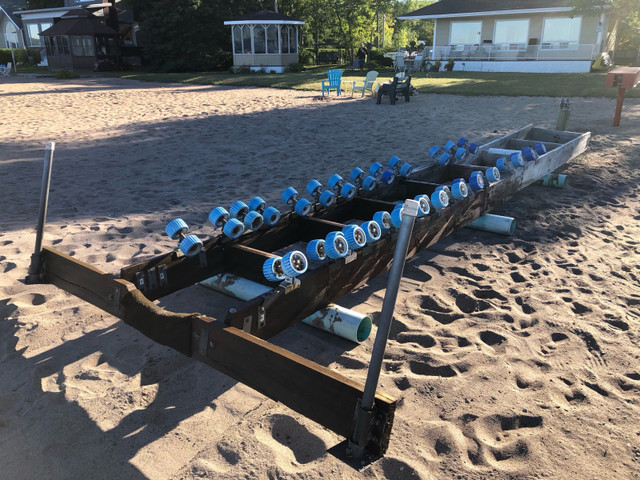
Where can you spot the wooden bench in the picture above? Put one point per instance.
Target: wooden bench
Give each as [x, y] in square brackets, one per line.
[399, 86]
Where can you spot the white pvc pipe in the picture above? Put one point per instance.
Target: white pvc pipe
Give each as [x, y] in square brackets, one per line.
[335, 319]
[553, 180]
[495, 224]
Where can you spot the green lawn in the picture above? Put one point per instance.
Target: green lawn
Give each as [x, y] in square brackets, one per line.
[455, 83]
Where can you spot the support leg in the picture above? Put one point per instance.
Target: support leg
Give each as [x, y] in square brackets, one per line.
[620, 100]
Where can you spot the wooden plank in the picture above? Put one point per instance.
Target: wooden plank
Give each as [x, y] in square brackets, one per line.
[519, 144]
[550, 135]
[500, 142]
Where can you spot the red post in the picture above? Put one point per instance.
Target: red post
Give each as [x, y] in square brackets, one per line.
[616, 118]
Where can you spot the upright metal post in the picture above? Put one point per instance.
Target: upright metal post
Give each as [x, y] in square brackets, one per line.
[34, 268]
[364, 412]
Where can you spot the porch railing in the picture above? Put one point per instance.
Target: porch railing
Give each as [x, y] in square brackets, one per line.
[512, 52]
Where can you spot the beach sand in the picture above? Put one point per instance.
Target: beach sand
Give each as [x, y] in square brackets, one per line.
[512, 357]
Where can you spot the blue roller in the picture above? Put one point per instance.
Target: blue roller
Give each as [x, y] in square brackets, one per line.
[492, 174]
[233, 228]
[272, 269]
[190, 246]
[459, 190]
[405, 170]
[516, 159]
[289, 195]
[356, 238]
[388, 177]
[238, 209]
[439, 199]
[327, 198]
[444, 188]
[396, 216]
[336, 245]
[462, 141]
[476, 181]
[423, 205]
[257, 204]
[540, 148]
[502, 164]
[394, 163]
[271, 216]
[357, 175]
[218, 216]
[369, 183]
[335, 182]
[383, 219]
[444, 159]
[294, 263]
[372, 230]
[433, 151]
[253, 220]
[375, 169]
[175, 228]
[315, 250]
[473, 148]
[448, 147]
[461, 153]
[302, 207]
[313, 188]
[528, 154]
[348, 190]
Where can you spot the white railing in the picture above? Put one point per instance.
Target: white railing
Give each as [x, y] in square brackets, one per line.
[512, 52]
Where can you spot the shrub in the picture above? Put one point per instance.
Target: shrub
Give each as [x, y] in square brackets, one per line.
[65, 74]
[449, 66]
[296, 67]
[307, 56]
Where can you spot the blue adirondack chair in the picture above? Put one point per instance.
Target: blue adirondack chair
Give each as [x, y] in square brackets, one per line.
[333, 83]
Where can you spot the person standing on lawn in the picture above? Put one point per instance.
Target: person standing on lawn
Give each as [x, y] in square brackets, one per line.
[361, 55]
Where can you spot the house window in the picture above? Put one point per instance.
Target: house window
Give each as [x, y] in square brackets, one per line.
[246, 39]
[259, 40]
[272, 39]
[465, 33]
[293, 40]
[237, 39]
[561, 32]
[87, 46]
[10, 36]
[511, 31]
[33, 33]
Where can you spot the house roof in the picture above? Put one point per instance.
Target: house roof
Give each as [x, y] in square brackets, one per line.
[469, 8]
[265, 17]
[78, 22]
[13, 18]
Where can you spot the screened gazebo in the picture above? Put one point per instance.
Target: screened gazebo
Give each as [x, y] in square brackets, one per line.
[265, 40]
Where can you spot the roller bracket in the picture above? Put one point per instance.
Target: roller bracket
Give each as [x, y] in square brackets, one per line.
[141, 283]
[153, 279]
[162, 275]
[202, 256]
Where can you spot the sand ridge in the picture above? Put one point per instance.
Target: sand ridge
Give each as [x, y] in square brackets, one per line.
[511, 357]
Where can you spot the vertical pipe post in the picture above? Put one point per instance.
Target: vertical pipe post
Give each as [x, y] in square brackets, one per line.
[363, 415]
[619, 101]
[34, 268]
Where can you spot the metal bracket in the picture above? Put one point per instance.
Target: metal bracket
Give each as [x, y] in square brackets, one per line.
[162, 275]
[204, 341]
[115, 297]
[140, 281]
[286, 286]
[153, 280]
[202, 256]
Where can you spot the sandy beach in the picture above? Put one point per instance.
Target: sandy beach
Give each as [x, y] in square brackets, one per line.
[512, 357]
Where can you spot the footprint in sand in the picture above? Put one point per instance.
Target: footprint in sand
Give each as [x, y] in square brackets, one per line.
[290, 440]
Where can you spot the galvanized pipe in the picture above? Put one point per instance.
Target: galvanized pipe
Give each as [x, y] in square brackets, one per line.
[34, 268]
[494, 224]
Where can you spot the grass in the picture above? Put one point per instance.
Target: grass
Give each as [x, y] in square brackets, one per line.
[454, 83]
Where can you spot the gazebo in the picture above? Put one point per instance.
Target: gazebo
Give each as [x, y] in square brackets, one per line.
[265, 40]
[80, 41]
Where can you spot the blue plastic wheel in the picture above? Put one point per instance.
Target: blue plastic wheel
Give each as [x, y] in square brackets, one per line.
[502, 165]
[190, 246]
[175, 228]
[294, 263]
[372, 230]
[233, 228]
[315, 250]
[256, 204]
[445, 189]
[383, 219]
[439, 199]
[423, 205]
[336, 245]
[528, 154]
[459, 190]
[271, 216]
[540, 148]
[357, 175]
[253, 220]
[448, 147]
[516, 159]
[473, 148]
[356, 238]
[396, 216]
[303, 207]
[394, 163]
[335, 182]
[313, 188]
[218, 216]
[405, 170]
[461, 153]
[289, 195]
[444, 159]
[348, 190]
[462, 141]
[388, 177]
[492, 174]
[375, 169]
[369, 183]
[272, 269]
[238, 209]
[433, 151]
[476, 181]
[327, 198]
